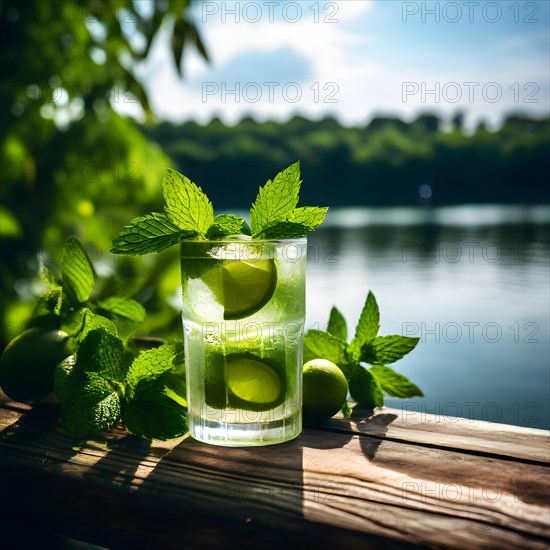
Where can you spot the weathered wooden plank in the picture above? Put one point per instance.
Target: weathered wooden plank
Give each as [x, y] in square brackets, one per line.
[325, 486]
[459, 434]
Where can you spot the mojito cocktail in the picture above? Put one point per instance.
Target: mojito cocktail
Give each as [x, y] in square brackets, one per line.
[243, 319]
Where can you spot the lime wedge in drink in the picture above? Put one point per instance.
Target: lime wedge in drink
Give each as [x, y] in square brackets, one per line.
[247, 286]
[250, 383]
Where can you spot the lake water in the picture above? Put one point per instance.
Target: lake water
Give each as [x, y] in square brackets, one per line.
[473, 282]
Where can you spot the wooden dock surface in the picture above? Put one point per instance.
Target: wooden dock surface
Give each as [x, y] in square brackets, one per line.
[394, 479]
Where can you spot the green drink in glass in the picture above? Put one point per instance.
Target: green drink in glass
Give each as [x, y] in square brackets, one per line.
[243, 318]
[243, 305]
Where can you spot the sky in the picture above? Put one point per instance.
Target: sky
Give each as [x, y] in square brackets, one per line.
[356, 59]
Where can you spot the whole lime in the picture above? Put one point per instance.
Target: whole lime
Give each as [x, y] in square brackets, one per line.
[324, 389]
[28, 362]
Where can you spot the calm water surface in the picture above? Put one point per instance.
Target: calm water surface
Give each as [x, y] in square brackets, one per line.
[472, 282]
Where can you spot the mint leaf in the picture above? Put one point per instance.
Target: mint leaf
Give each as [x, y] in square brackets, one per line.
[77, 271]
[102, 353]
[393, 383]
[156, 395]
[121, 306]
[319, 344]
[367, 326]
[227, 224]
[298, 223]
[94, 407]
[365, 389]
[151, 364]
[66, 380]
[276, 199]
[126, 314]
[309, 216]
[82, 321]
[284, 230]
[147, 234]
[337, 325]
[151, 413]
[186, 204]
[89, 403]
[387, 349]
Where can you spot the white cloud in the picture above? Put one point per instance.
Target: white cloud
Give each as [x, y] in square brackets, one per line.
[342, 64]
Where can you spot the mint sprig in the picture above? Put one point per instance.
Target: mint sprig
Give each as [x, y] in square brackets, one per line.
[367, 385]
[71, 304]
[98, 387]
[190, 216]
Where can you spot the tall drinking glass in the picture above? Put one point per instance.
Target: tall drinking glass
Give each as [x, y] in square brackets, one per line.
[243, 319]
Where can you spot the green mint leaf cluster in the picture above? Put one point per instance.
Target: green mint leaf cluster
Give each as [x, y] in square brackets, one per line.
[190, 215]
[103, 384]
[367, 385]
[70, 305]
[105, 381]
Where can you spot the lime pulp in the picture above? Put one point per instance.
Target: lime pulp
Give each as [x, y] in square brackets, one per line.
[247, 286]
[247, 383]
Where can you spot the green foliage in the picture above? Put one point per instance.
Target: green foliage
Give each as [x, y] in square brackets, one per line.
[77, 270]
[154, 406]
[96, 388]
[186, 204]
[319, 344]
[104, 379]
[191, 215]
[274, 214]
[365, 388]
[276, 199]
[380, 164]
[387, 349]
[147, 234]
[367, 326]
[94, 407]
[79, 322]
[71, 164]
[337, 325]
[393, 383]
[366, 385]
[227, 224]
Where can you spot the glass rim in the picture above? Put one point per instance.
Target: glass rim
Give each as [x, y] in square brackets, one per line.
[222, 241]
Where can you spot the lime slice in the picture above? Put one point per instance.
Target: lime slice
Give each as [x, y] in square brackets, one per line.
[247, 286]
[250, 384]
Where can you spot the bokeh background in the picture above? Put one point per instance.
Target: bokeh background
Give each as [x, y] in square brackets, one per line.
[423, 125]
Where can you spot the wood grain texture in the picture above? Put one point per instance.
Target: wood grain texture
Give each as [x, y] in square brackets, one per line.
[371, 482]
[460, 434]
